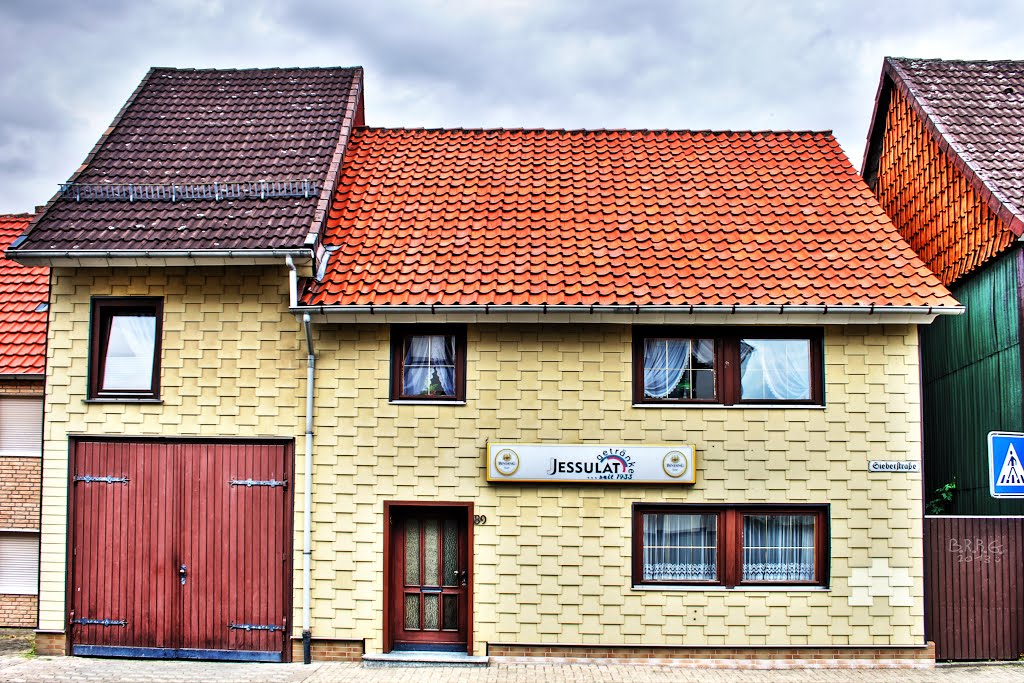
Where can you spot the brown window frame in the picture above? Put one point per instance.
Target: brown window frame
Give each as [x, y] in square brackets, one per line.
[103, 309]
[399, 335]
[729, 555]
[728, 381]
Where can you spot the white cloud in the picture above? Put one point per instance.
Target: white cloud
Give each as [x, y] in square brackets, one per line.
[68, 66]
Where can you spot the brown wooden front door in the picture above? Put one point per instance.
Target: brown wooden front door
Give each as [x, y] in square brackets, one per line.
[429, 575]
[180, 549]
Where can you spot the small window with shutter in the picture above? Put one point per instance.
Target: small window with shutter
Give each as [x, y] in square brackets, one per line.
[21, 425]
[19, 563]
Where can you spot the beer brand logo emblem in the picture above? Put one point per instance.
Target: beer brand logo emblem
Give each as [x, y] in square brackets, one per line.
[675, 464]
[506, 461]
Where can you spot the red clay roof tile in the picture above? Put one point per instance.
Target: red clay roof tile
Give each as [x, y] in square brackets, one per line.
[457, 217]
[22, 289]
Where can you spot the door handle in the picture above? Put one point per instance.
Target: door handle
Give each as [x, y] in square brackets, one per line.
[463, 577]
[183, 573]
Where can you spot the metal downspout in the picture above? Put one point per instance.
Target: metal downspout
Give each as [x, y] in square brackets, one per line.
[307, 514]
[307, 507]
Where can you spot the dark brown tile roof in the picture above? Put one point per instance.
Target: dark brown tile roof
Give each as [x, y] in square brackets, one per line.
[189, 127]
[976, 110]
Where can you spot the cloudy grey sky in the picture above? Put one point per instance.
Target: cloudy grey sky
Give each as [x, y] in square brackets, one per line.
[67, 65]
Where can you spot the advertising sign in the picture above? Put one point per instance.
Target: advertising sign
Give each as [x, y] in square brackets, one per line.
[1006, 474]
[591, 463]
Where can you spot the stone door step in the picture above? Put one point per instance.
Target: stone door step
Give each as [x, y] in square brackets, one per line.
[423, 658]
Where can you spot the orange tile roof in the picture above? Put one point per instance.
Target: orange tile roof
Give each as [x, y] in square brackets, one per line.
[530, 217]
[22, 289]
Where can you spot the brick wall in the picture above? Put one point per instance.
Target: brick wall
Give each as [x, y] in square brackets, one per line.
[330, 650]
[18, 611]
[20, 478]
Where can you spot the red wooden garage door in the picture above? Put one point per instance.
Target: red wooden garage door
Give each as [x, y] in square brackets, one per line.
[180, 549]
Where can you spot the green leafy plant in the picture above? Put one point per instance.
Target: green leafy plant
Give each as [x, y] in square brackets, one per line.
[942, 499]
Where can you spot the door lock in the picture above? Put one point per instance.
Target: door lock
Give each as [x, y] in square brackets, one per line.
[183, 573]
[463, 577]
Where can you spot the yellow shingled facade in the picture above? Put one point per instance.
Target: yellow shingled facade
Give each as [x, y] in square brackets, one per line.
[552, 562]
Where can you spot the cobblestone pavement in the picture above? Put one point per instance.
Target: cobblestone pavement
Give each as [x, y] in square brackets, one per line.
[21, 669]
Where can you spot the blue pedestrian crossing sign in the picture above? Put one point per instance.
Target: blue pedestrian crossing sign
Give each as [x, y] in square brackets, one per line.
[1006, 472]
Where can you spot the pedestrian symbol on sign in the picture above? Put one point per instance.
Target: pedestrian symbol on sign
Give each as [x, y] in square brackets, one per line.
[1007, 472]
[1011, 472]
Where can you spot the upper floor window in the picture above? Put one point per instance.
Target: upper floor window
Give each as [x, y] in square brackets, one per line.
[727, 366]
[124, 355]
[428, 363]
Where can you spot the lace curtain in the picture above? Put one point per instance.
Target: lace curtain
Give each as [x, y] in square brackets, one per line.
[666, 360]
[680, 547]
[775, 369]
[778, 547]
[128, 360]
[429, 368]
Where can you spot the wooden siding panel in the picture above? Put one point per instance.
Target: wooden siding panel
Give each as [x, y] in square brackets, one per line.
[944, 219]
[974, 589]
[971, 371]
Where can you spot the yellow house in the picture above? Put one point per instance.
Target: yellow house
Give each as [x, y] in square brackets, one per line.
[514, 393]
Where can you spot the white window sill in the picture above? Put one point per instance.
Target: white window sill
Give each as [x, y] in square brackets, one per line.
[746, 588]
[739, 406]
[20, 454]
[413, 402]
[155, 401]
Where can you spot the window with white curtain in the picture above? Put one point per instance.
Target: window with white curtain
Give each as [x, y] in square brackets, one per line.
[428, 363]
[727, 365]
[125, 354]
[730, 545]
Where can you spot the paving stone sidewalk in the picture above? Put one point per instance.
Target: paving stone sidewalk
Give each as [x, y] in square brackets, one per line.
[20, 669]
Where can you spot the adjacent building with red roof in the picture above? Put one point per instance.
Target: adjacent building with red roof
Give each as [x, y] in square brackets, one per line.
[489, 393]
[945, 156]
[24, 296]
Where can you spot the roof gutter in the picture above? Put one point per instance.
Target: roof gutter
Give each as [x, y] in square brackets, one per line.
[104, 257]
[631, 309]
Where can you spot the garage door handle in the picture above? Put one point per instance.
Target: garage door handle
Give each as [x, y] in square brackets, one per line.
[183, 573]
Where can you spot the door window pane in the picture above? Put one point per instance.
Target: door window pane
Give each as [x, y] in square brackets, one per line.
[128, 358]
[431, 552]
[680, 547]
[412, 612]
[451, 611]
[778, 547]
[775, 369]
[451, 552]
[431, 612]
[412, 552]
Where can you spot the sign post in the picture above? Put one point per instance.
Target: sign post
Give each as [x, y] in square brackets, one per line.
[1006, 472]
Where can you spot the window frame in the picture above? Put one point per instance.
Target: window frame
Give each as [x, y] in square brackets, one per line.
[103, 310]
[399, 335]
[728, 379]
[729, 551]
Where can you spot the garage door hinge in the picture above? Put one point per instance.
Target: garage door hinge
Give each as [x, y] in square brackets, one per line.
[100, 622]
[256, 627]
[252, 482]
[89, 479]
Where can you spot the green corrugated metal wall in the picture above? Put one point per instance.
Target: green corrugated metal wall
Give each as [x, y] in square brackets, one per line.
[971, 367]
